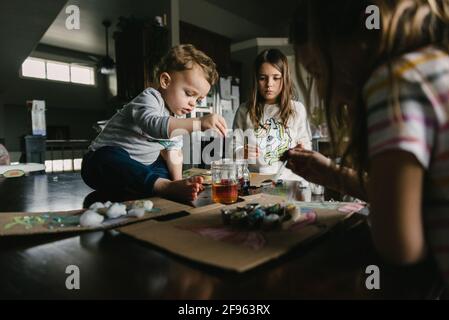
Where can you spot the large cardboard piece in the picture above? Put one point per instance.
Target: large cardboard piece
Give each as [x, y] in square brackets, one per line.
[27, 223]
[203, 237]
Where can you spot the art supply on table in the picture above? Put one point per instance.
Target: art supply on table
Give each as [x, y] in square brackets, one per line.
[203, 237]
[279, 172]
[205, 173]
[258, 179]
[96, 217]
[243, 177]
[266, 217]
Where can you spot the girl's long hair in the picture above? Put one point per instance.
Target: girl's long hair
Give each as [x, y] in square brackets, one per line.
[405, 26]
[256, 102]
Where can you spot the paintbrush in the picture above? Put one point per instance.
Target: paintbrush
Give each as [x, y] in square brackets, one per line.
[279, 172]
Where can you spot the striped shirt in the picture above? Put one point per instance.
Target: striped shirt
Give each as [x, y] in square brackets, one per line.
[420, 127]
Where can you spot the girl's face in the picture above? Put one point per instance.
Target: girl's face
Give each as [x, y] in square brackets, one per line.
[269, 82]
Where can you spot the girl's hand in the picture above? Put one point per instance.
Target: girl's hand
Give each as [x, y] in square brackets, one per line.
[310, 165]
[251, 152]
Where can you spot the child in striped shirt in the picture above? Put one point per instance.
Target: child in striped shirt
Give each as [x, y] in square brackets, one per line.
[388, 88]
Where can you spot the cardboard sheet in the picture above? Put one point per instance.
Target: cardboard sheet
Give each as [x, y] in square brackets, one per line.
[258, 179]
[27, 223]
[202, 236]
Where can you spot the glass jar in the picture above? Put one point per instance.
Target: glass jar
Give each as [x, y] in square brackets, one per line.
[243, 176]
[224, 181]
[316, 189]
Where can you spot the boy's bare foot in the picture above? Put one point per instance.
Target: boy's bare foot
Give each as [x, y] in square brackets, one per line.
[179, 190]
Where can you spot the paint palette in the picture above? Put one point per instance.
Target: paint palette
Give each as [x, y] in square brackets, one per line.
[13, 173]
[267, 217]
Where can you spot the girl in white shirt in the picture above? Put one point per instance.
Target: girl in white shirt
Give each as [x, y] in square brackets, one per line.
[270, 122]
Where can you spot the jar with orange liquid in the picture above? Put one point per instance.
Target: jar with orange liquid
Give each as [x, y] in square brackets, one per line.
[225, 184]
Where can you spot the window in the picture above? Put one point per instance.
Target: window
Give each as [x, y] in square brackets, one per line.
[58, 71]
[34, 68]
[83, 75]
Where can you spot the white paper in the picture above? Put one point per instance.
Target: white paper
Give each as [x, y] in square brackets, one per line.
[235, 92]
[235, 104]
[225, 88]
[38, 118]
[203, 103]
[227, 112]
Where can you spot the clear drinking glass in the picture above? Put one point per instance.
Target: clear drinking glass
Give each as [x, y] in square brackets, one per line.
[316, 189]
[243, 176]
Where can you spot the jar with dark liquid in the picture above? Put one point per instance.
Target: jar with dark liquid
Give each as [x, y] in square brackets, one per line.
[243, 176]
[224, 181]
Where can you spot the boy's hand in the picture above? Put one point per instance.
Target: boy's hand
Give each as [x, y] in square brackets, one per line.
[215, 122]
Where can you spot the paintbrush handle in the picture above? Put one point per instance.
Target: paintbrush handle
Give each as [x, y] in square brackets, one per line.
[280, 170]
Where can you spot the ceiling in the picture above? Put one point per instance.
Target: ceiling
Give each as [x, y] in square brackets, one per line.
[91, 35]
[262, 15]
[18, 37]
[261, 12]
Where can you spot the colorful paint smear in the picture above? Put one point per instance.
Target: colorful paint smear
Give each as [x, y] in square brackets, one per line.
[48, 219]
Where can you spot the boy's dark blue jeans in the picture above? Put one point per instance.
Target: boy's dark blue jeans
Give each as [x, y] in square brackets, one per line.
[112, 170]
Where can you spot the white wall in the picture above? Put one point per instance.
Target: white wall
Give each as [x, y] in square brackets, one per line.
[174, 22]
[90, 36]
[73, 105]
[23, 24]
[18, 122]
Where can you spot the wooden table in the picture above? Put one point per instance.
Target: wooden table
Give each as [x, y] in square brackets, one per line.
[113, 265]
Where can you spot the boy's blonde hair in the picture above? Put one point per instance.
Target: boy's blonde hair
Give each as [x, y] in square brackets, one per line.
[183, 57]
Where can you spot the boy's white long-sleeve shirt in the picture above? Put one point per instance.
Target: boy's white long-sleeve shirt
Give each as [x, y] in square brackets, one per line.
[272, 137]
